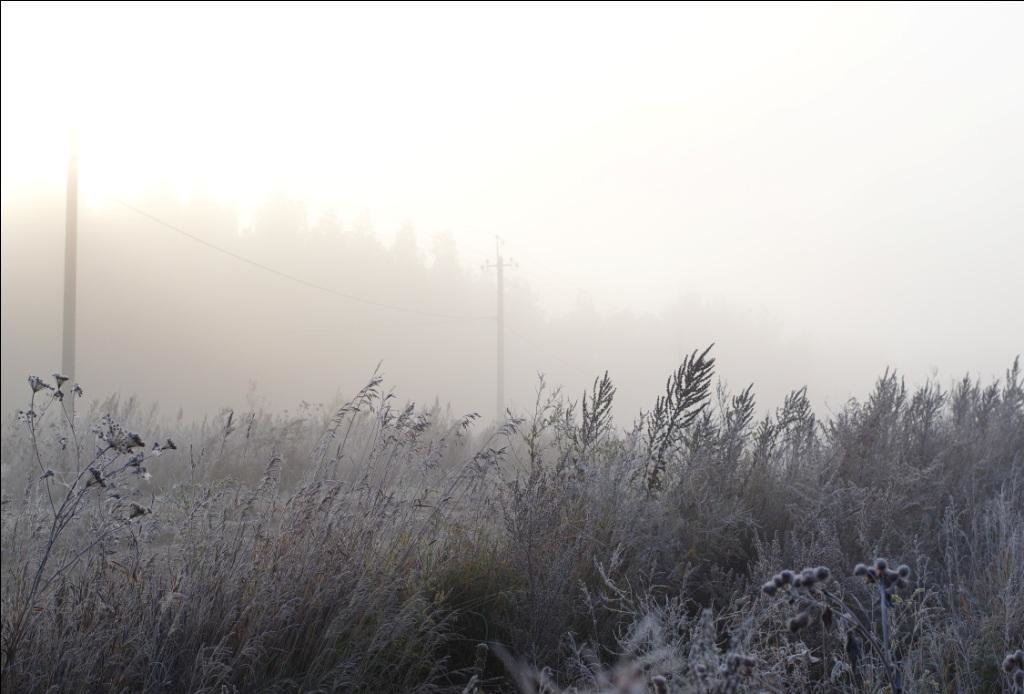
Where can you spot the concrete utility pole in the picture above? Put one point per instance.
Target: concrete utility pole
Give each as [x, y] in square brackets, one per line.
[500, 265]
[67, 362]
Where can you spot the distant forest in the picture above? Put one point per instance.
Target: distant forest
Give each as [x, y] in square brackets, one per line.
[153, 303]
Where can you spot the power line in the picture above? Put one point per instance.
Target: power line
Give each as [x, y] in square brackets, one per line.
[293, 278]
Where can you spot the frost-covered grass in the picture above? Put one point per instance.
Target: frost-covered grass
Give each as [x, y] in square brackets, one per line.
[377, 547]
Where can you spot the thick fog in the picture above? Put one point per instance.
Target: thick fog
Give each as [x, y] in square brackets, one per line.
[272, 202]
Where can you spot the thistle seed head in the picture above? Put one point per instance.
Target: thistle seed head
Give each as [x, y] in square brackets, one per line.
[860, 570]
[1013, 664]
[823, 573]
[786, 576]
[741, 664]
[769, 588]
[799, 622]
[903, 570]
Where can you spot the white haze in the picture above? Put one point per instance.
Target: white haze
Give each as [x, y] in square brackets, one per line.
[823, 190]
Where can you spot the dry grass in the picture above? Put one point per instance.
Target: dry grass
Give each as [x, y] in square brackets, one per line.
[375, 547]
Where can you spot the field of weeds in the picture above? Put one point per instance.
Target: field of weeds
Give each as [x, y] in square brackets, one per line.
[377, 547]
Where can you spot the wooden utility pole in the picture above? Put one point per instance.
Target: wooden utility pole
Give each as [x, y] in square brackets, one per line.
[67, 362]
[500, 265]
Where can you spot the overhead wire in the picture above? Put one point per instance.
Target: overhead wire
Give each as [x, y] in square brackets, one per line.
[294, 278]
[446, 317]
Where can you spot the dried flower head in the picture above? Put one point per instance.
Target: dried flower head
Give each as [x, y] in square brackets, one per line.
[95, 477]
[801, 620]
[1013, 665]
[769, 588]
[741, 664]
[879, 572]
[37, 384]
[482, 650]
[61, 380]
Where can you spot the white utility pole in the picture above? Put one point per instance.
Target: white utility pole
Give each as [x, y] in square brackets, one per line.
[67, 362]
[500, 265]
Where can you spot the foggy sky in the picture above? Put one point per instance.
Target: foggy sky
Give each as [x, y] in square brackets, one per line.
[823, 190]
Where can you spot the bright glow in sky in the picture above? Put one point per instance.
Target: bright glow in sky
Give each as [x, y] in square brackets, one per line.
[848, 168]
